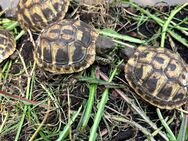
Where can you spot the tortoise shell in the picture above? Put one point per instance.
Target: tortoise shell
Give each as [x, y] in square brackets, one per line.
[67, 46]
[159, 76]
[37, 14]
[7, 44]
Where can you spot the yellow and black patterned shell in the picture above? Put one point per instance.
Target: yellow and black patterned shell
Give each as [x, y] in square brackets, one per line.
[37, 14]
[67, 46]
[159, 76]
[7, 44]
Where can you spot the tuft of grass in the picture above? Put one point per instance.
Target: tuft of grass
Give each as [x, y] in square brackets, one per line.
[63, 134]
[101, 106]
[90, 102]
[162, 24]
[167, 22]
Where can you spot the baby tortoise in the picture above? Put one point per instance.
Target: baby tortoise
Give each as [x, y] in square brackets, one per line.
[159, 76]
[7, 44]
[37, 14]
[69, 46]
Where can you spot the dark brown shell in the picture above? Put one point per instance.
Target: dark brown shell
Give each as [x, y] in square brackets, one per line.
[159, 76]
[37, 14]
[66, 47]
[7, 44]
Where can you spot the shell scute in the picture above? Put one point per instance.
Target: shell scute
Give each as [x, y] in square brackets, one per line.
[161, 78]
[37, 14]
[72, 48]
[7, 44]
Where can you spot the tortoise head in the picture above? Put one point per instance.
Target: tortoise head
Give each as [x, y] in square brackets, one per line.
[127, 52]
[104, 45]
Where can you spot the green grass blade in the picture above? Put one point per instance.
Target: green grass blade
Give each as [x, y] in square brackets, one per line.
[178, 38]
[63, 134]
[20, 35]
[89, 105]
[12, 25]
[161, 23]
[168, 130]
[114, 34]
[167, 23]
[30, 83]
[99, 115]
[183, 132]
[100, 82]
[100, 107]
